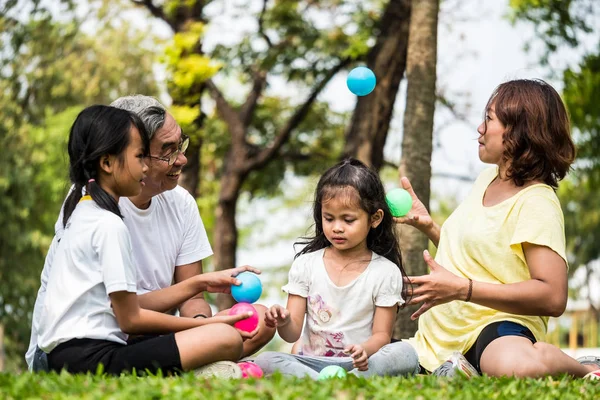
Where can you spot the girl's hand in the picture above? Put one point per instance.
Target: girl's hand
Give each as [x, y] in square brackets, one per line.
[418, 216]
[231, 320]
[277, 316]
[221, 281]
[439, 287]
[359, 356]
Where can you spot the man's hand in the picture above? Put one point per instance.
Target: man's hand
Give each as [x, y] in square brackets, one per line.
[221, 281]
[277, 316]
[359, 356]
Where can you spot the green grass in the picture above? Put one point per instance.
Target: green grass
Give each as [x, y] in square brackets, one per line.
[65, 386]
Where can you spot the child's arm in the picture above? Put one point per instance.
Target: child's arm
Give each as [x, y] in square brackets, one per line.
[215, 282]
[383, 325]
[288, 321]
[133, 319]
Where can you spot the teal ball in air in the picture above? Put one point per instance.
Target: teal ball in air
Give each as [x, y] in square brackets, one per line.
[399, 202]
[250, 289]
[332, 371]
[361, 81]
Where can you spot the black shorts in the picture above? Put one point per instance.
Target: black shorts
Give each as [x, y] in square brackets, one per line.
[144, 354]
[492, 332]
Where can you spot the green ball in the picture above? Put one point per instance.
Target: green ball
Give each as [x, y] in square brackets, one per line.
[332, 371]
[399, 202]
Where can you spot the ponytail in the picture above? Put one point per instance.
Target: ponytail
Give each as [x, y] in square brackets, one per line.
[103, 199]
[71, 202]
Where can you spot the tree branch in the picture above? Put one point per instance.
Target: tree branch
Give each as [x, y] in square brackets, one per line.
[247, 109]
[261, 30]
[269, 152]
[157, 11]
[228, 114]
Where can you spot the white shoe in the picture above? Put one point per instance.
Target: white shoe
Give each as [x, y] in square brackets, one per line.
[457, 364]
[593, 376]
[220, 369]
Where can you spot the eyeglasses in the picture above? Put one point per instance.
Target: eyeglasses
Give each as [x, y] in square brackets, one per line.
[172, 157]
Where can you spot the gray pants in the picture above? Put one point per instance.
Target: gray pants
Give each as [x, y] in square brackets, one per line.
[393, 359]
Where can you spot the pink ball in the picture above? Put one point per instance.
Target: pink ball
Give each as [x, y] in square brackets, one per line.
[247, 324]
[250, 370]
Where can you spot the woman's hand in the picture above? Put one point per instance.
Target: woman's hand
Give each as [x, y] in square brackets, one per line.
[221, 281]
[418, 216]
[277, 316]
[439, 287]
[359, 356]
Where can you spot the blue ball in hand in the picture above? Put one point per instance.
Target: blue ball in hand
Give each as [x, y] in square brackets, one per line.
[361, 81]
[250, 289]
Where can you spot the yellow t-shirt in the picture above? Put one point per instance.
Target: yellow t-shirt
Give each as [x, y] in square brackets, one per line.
[484, 244]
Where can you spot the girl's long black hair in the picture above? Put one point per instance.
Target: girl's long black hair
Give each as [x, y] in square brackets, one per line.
[352, 173]
[97, 131]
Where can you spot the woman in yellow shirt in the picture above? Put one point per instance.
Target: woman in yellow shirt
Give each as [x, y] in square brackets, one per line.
[501, 267]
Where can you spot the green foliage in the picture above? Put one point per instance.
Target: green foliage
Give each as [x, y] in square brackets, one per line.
[65, 386]
[582, 220]
[187, 68]
[302, 49]
[582, 96]
[557, 22]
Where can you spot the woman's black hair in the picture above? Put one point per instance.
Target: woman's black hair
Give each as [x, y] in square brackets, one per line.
[97, 131]
[347, 174]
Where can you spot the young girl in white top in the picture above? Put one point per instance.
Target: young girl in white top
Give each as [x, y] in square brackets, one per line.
[347, 280]
[91, 304]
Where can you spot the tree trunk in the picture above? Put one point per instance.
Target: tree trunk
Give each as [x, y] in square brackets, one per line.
[418, 136]
[190, 177]
[368, 130]
[2, 352]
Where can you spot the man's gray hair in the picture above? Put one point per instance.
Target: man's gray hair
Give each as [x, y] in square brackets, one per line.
[150, 111]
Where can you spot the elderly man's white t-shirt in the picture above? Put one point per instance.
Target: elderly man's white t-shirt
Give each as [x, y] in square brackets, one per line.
[338, 316]
[167, 234]
[92, 260]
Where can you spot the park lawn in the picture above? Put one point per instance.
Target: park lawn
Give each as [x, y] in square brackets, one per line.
[65, 386]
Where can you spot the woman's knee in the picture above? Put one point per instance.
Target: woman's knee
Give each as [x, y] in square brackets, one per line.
[532, 361]
[540, 361]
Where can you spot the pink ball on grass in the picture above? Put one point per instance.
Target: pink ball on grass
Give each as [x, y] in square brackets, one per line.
[250, 370]
[248, 324]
